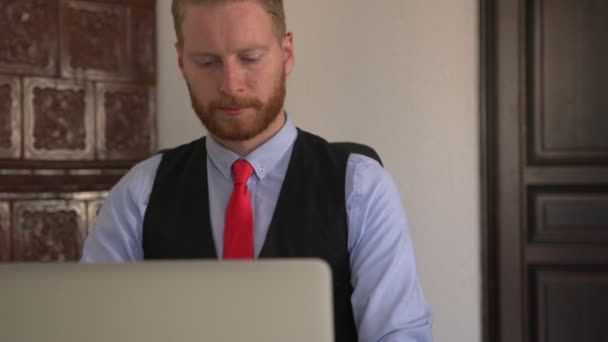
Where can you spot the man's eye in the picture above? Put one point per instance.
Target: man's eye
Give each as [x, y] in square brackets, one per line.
[206, 64]
[249, 59]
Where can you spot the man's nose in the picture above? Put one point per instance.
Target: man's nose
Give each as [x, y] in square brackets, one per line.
[231, 82]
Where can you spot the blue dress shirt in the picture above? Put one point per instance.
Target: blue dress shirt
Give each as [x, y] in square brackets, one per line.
[388, 303]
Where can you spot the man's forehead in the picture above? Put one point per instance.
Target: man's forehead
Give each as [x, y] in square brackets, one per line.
[227, 28]
[241, 12]
[246, 17]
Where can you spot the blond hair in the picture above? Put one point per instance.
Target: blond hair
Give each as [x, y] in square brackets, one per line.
[273, 7]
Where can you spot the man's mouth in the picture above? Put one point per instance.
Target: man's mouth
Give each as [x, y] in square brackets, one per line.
[232, 110]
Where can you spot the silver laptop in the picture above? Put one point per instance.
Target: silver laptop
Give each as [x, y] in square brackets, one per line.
[265, 301]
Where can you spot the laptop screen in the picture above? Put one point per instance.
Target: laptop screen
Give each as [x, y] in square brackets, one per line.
[275, 300]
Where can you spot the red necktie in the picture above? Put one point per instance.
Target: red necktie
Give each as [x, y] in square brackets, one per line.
[238, 230]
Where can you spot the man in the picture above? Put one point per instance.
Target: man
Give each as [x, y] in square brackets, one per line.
[258, 187]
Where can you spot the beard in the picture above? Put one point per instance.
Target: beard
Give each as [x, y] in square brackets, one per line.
[242, 127]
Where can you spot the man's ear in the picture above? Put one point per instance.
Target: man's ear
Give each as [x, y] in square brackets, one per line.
[288, 53]
[180, 55]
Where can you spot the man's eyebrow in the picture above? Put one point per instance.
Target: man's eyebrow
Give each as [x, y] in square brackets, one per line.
[255, 48]
[203, 54]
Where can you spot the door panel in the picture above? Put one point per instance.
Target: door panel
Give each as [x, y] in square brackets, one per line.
[567, 73]
[571, 305]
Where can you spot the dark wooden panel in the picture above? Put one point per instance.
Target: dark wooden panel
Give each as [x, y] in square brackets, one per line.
[568, 214]
[43, 183]
[5, 233]
[66, 165]
[566, 175]
[507, 111]
[10, 117]
[488, 153]
[572, 211]
[572, 306]
[566, 254]
[569, 102]
[28, 37]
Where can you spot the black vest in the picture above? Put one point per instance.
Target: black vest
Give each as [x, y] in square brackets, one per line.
[310, 218]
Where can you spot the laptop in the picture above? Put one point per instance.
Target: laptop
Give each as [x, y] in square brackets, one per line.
[255, 301]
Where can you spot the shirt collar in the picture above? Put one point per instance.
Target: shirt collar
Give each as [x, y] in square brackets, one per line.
[263, 159]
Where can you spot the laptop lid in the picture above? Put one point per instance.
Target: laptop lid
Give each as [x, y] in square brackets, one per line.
[265, 301]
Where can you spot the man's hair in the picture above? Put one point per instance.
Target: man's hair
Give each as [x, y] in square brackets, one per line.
[273, 7]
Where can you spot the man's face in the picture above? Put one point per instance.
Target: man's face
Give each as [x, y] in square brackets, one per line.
[234, 67]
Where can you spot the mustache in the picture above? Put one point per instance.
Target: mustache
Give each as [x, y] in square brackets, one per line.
[234, 102]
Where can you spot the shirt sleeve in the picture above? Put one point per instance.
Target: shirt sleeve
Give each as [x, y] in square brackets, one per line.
[388, 302]
[117, 235]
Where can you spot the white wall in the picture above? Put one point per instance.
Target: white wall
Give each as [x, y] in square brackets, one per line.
[400, 75]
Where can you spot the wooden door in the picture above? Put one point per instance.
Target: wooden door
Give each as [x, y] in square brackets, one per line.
[544, 90]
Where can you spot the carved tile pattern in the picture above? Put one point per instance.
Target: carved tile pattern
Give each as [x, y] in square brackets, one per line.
[5, 237]
[143, 23]
[50, 235]
[59, 120]
[95, 40]
[49, 230]
[126, 124]
[127, 116]
[10, 118]
[28, 35]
